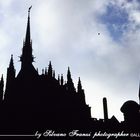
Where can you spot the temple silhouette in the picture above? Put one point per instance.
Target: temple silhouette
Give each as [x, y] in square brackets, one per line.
[33, 101]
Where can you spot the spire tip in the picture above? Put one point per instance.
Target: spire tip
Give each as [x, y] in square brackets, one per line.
[29, 10]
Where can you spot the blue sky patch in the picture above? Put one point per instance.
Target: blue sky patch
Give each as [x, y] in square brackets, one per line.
[116, 20]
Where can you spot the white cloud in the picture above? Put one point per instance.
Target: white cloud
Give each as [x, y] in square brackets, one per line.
[5, 3]
[67, 33]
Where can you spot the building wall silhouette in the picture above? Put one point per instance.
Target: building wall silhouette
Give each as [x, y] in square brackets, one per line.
[39, 101]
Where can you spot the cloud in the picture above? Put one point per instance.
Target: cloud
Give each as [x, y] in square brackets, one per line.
[66, 32]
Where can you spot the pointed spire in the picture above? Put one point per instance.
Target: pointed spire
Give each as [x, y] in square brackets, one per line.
[11, 69]
[50, 70]
[80, 92]
[79, 85]
[11, 72]
[27, 38]
[62, 80]
[27, 57]
[69, 75]
[70, 85]
[11, 65]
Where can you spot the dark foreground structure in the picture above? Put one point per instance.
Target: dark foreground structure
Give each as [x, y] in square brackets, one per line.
[35, 102]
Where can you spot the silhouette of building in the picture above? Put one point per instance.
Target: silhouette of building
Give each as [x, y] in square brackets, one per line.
[33, 101]
[41, 99]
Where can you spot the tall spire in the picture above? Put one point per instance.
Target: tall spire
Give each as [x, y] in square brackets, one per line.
[27, 68]
[27, 38]
[27, 57]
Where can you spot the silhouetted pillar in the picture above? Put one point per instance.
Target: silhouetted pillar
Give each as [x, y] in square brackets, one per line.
[105, 109]
[62, 80]
[58, 78]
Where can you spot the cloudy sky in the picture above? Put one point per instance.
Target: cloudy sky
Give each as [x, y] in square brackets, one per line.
[99, 40]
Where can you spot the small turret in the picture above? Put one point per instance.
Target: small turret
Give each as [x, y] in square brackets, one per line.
[50, 70]
[11, 68]
[79, 85]
[69, 75]
[10, 74]
[80, 92]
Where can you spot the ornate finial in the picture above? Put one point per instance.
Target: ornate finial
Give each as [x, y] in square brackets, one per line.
[29, 10]
[11, 56]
